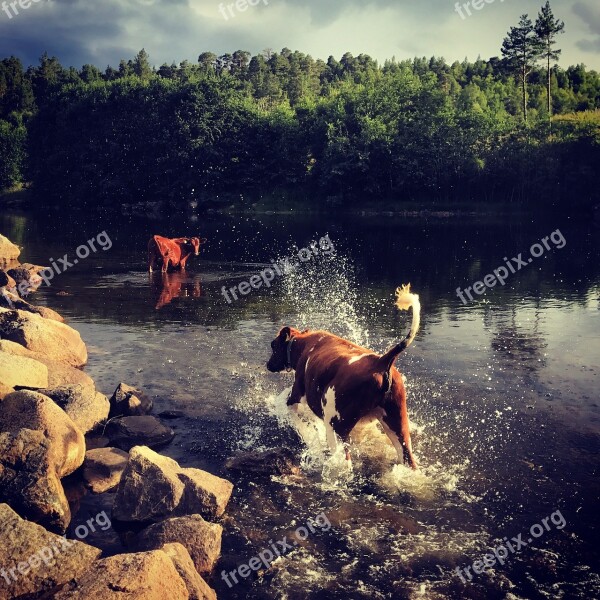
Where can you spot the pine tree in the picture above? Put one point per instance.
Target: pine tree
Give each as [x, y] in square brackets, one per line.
[141, 65]
[522, 50]
[547, 29]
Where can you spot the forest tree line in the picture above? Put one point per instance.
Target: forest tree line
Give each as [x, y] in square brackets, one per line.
[238, 125]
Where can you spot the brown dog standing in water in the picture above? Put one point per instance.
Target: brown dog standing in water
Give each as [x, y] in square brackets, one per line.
[343, 383]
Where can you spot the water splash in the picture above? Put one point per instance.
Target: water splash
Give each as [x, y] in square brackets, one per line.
[323, 296]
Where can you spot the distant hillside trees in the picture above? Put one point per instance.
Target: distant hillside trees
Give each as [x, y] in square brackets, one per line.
[241, 125]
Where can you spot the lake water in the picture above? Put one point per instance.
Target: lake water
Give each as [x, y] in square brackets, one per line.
[503, 392]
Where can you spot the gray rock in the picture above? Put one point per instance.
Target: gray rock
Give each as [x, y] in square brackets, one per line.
[129, 402]
[87, 407]
[47, 560]
[103, 468]
[32, 410]
[201, 539]
[127, 432]
[197, 588]
[57, 341]
[29, 482]
[58, 372]
[23, 372]
[154, 487]
[141, 576]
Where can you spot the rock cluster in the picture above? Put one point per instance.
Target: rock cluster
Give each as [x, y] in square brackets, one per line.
[47, 407]
[174, 491]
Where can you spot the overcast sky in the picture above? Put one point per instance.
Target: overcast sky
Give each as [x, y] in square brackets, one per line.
[102, 32]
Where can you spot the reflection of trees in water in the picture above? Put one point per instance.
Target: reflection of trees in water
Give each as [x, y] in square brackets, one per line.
[517, 345]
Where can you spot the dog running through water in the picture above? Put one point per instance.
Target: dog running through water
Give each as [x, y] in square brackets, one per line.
[343, 383]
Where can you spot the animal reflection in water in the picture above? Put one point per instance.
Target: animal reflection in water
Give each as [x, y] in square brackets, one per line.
[168, 286]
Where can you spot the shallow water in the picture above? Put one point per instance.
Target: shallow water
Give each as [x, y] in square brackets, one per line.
[503, 393]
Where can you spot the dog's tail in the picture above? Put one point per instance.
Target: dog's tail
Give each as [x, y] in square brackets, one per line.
[404, 300]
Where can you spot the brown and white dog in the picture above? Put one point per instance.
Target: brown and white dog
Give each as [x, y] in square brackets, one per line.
[343, 383]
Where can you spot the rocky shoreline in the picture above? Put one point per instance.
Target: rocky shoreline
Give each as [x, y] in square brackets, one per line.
[54, 424]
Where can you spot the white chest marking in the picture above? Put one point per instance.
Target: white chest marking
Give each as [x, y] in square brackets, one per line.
[329, 413]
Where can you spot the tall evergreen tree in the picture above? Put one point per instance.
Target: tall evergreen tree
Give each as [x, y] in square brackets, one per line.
[522, 50]
[547, 29]
[141, 65]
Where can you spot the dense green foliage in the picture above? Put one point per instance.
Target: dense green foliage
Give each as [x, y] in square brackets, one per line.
[13, 143]
[240, 125]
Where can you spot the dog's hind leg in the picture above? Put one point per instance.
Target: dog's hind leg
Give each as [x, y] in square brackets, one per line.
[397, 429]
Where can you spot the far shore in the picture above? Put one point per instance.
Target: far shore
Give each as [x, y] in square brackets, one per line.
[23, 198]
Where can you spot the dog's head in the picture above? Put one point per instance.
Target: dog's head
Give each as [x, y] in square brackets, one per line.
[196, 243]
[279, 359]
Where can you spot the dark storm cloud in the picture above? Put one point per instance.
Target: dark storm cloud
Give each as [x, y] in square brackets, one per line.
[80, 31]
[590, 14]
[104, 31]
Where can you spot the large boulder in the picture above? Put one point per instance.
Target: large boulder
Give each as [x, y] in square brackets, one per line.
[29, 481]
[9, 252]
[24, 372]
[201, 539]
[129, 402]
[56, 340]
[58, 373]
[103, 468]
[154, 487]
[197, 588]
[127, 432]
[141, 576]
[87, 407]
[36, 561]
[32, 410]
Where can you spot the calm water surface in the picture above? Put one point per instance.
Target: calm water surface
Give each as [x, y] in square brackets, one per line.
[503, 393]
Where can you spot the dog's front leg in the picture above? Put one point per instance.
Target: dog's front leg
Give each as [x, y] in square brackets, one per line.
[331, 436]
[297, 393]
